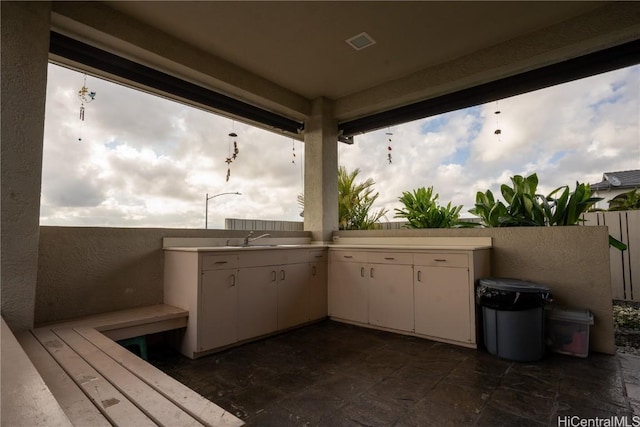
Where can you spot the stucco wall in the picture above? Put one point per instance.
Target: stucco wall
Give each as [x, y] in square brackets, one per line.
[572, 261]
[89, 270]
[25, 50]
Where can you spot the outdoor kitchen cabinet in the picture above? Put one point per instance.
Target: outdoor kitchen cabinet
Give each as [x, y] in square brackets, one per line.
[205, 284]
[257, 301]
[271, 298]
[317, 287]
[372, 287]
[348, 290]
[218, 308]
[444, 286]
[426, 293]
[293, 295]
[444, 292]
[236, 296]
[302, 288]
[390, 290]
[272, 291]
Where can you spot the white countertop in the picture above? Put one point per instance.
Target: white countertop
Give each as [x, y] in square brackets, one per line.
[413, 247]
[331, 246]
[372, 243]
[242, 248]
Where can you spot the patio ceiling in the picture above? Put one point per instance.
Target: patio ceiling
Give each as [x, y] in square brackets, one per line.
[279, 56]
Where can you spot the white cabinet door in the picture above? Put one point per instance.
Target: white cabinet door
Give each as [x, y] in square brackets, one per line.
[317, 295]
[391, 296]
[257, 301]
[218, 309]
[442, 303]
[348, 293]
[292, 295]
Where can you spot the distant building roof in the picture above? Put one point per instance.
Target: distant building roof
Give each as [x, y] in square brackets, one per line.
[621, 179]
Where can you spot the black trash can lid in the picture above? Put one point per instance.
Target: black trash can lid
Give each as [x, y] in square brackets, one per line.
[513, 285]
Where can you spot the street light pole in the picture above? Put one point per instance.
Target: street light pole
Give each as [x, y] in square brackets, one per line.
[206, 206]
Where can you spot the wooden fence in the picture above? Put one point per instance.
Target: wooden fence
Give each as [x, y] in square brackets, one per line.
[262, 225]
[625, 265]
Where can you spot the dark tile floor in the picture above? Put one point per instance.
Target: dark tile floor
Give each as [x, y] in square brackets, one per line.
[333, 374]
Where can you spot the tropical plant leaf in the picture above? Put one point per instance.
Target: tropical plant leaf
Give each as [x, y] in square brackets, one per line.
[422, 211]
[617, 243]
[526, 208]
[355, 202]
[625, 201]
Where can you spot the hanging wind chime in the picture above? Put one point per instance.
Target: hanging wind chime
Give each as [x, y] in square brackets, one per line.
[293, 148]
[389, 135]
[233, 154]
[498, 131]
[86, 96]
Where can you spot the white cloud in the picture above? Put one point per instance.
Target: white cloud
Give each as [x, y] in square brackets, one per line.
[144, 161]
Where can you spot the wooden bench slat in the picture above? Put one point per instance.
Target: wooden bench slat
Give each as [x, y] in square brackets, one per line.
[149, 315]
[116, 407]
[161, 410]
[122, 333]
[25, 398]
[100, 383]
[199, 407]
[71, 398]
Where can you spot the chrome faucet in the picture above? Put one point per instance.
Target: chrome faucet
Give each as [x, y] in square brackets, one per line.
[249, 239]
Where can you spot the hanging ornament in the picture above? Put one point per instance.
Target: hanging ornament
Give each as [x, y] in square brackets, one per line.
[498, 131]
[85, 97]
[389, 135]
[293, 149]
[233, 154]
[228, 161]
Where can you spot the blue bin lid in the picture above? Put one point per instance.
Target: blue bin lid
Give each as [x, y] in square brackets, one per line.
[513, 285]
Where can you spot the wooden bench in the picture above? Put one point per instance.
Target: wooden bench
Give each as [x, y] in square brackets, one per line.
[123, 324]
[97, 382]
[26, 400]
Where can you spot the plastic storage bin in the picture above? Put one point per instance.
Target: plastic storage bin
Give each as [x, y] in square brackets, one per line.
[513, 318]
[568, 330]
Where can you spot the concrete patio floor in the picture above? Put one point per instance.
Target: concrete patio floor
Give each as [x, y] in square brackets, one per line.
[334, 374]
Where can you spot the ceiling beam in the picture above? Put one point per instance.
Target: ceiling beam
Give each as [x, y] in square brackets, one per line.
[63, 47]
[610, 59]
[611, 24]
[98, 25]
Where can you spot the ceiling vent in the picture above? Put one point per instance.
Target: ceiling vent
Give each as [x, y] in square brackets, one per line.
[360, 41]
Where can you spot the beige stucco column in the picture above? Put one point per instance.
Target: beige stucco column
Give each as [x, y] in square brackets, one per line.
[321, 171]
[25, 52]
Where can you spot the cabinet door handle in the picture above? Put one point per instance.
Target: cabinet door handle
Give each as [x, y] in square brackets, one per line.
[361, 271]
[273, 276]
[371, 272]
[389, 258]
[221, 262]
[313, 270]
[440, 260]
[233, 280]
[348, 256]
[282, 276]
[319, 256]
[419, 276]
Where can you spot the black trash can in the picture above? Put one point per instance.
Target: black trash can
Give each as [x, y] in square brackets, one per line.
[513, 318]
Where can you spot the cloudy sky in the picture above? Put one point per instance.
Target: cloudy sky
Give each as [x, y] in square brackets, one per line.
[138, 160]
